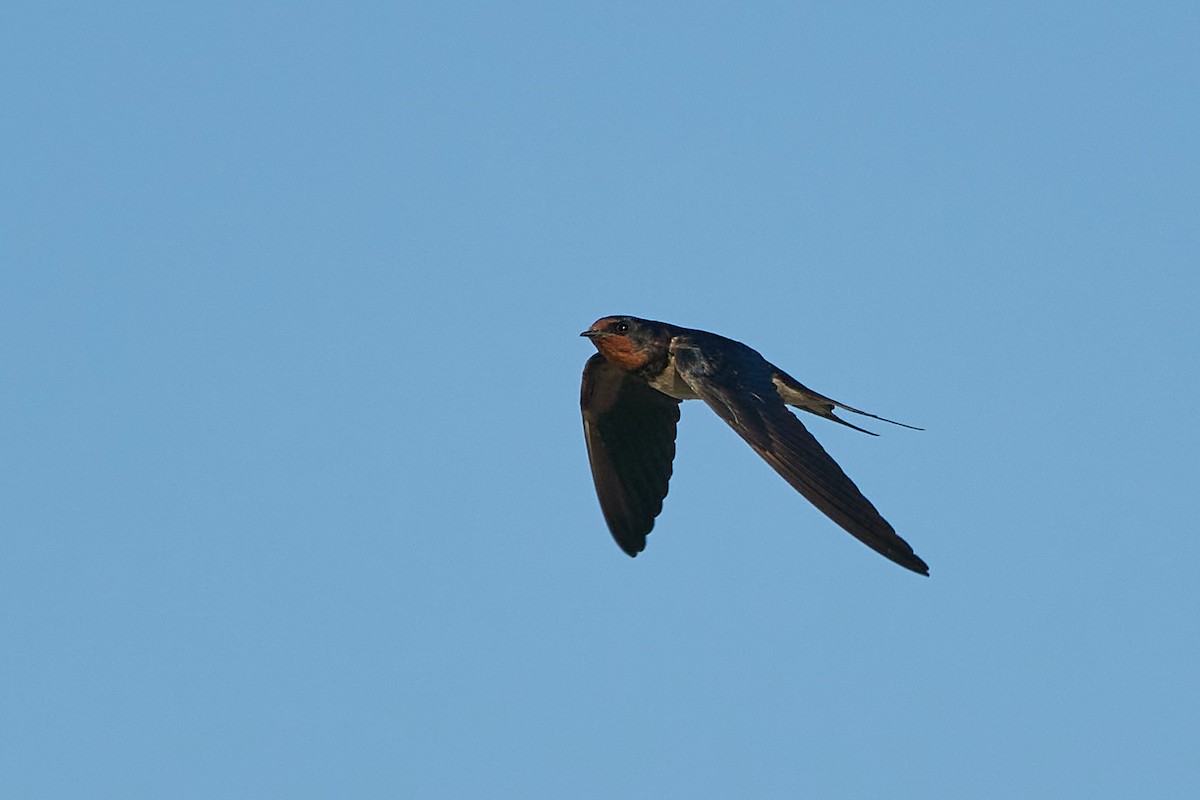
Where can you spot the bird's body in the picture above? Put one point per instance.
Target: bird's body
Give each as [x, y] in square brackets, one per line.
[630, 399]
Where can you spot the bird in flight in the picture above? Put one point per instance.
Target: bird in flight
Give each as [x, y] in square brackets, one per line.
[630, 399]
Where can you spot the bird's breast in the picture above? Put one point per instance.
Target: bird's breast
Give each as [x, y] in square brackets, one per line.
[670, 383]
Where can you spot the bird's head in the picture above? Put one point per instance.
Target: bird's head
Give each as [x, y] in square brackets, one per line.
[628, 342]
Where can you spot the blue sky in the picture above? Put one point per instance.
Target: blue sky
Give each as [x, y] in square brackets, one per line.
[294, 494]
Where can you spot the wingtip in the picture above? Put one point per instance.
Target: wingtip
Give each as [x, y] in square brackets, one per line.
[630, 548]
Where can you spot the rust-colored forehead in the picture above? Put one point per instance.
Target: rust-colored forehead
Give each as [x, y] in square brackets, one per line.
[619, 349]
[603, 323]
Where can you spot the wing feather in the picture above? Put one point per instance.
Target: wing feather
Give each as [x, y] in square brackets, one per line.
[738, 387]
[629, 428]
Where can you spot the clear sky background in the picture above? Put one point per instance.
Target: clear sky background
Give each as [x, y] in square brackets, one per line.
[293, 493]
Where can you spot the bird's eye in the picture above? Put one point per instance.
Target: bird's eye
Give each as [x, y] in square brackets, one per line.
[621, 327]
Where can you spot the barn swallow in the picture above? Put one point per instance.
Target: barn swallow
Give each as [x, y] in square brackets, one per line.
[630, 398]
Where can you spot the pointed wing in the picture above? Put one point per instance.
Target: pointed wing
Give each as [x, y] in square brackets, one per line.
[630, 433]
[738, 386]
